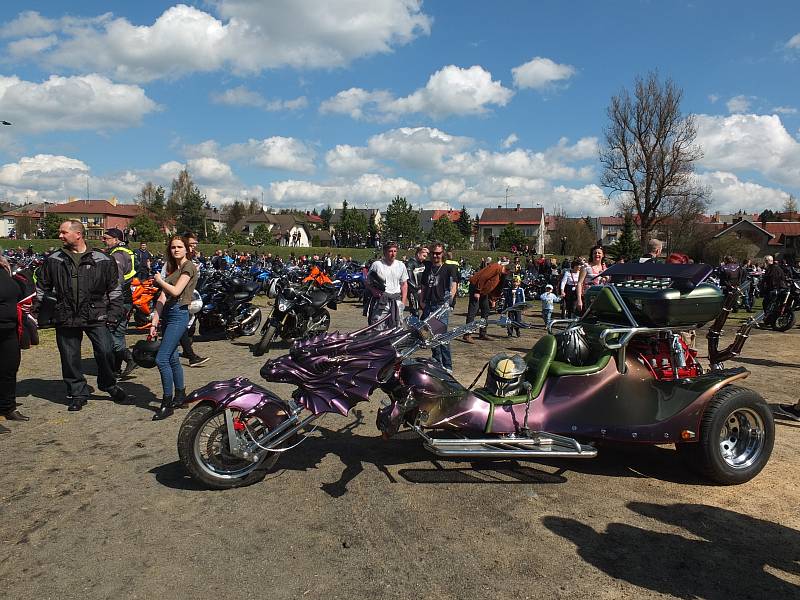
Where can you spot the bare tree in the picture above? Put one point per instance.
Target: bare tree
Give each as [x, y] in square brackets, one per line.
[649, 154]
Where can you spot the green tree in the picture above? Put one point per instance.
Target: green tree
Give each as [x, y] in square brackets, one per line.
[326, 215]
[464, 223]
[180, 191]
[152, 199]
[50, 225]
[649, 153]
[26, 227]
[767, 216]
[401, 223]
[235, 213]
[147, 230]
[261, 235]
[353, 227]
[716, 249]
[627, 245]
[446, 232]
[790, 207]
[511, 236]
[189, 205]
[579, 237]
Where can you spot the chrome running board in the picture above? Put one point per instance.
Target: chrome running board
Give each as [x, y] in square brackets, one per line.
[536, 445]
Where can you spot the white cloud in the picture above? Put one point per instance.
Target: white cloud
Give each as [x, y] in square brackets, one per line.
[794, 42]
[541, 73]
[245, 37]
[41, 171]
[450, 91]
[750, 142]
[417, 147]
[510, 141]
[738, 104]
[242, 96]
[713, 98]
[356, 102]
[72, 103]
[446, 189]
[730, 194]
[209, 170]
[276, 152]
[25, 47]
[374, 190]
[349, 159]
[785, 110]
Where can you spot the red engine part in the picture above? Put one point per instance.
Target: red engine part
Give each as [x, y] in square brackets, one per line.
[655, 353]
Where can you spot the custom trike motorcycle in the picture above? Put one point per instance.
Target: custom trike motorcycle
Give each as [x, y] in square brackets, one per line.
[623, 372]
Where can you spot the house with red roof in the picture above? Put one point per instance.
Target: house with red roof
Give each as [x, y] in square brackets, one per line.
[530, 221]
[428, 217]
[779, 238]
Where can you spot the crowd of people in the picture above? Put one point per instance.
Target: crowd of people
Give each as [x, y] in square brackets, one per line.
[84, 291]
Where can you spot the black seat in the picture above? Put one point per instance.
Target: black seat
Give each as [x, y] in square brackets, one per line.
[241, 295]
[319, 298]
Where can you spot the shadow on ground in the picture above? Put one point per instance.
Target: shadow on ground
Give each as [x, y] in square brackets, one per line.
[355, 451]
[720, 554]
[54, 391]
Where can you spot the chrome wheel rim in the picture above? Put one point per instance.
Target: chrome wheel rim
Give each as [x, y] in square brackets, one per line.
[211, 450]
[742, 438]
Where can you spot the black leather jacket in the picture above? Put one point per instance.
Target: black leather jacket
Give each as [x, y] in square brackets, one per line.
[99, 291]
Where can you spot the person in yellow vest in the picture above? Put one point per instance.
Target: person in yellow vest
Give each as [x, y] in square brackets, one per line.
[126, 265]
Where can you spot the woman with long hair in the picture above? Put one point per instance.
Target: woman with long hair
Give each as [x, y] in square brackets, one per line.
[590, 274]
[172, 312]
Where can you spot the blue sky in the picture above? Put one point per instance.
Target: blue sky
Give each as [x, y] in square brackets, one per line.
[306, 103]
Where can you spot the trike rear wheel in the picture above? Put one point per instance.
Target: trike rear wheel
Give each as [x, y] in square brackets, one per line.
[736, 437]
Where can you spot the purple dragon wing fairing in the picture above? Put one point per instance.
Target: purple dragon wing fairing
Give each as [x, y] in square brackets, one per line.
[335, 371]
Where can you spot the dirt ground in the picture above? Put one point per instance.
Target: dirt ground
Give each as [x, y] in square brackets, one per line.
[95, 505]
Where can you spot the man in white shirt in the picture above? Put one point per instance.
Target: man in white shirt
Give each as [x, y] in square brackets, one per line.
[387, 280]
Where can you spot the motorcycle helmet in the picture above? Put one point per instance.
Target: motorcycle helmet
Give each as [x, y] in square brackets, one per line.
[376, 282]
[572, 347]
[505, 375]
[274, 288]
[144, 353]
[196, 304]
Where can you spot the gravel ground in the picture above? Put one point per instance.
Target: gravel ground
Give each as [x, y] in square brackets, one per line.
[95, 505]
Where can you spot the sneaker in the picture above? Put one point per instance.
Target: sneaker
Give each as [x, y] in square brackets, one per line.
[197, 361]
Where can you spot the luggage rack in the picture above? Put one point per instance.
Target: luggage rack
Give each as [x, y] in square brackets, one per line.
[657, 275]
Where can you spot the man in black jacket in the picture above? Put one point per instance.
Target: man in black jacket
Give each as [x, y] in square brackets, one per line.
[88, 299]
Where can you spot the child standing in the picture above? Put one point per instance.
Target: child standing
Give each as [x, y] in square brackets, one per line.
[548, 299]
[514, 295]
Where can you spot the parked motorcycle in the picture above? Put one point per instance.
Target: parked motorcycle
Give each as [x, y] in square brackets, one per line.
[350, 280]
[780, 312]
[145, 293]
[300, 310]
[228, 307]
[619, 374]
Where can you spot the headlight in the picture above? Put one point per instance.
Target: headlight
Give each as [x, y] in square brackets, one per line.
[284, 305]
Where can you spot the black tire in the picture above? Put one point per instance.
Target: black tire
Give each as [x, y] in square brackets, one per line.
[253, 326]
[216, 477]
[737, 433]
[262, 347]
[785, 322]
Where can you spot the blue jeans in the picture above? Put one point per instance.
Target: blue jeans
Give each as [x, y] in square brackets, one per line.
[441, 354]
[547, 315]
[174, 320]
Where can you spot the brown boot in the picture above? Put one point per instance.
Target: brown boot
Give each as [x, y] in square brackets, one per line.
[468, 339]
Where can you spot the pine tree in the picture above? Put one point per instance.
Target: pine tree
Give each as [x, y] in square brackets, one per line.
[464, 223]
[401, 223]
[627, 245]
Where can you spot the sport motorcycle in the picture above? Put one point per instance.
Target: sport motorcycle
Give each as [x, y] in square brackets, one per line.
[300, 310]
